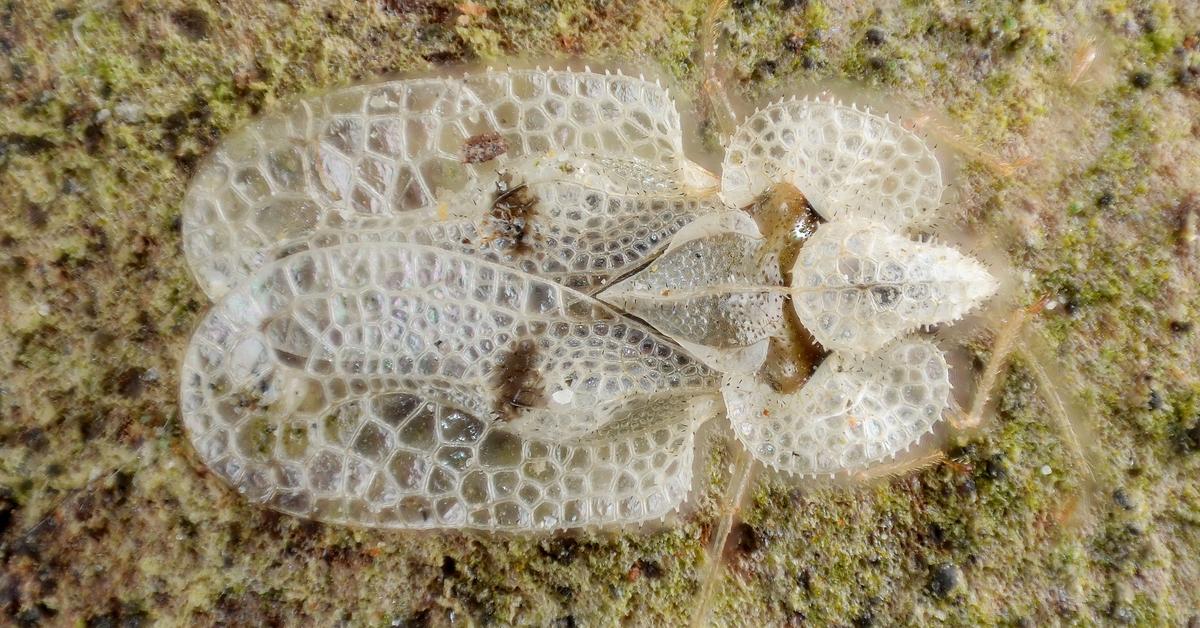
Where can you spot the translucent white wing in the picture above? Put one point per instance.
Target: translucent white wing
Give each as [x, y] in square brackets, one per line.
[398, 148]
[406, 386]
[856, 286]
[707, 292]
[849, 163]
[575, 235]
[852, 413]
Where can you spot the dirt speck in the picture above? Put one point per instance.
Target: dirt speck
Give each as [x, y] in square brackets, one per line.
[483, 147]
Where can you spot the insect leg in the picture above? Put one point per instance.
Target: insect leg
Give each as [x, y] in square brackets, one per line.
[743, 470]
[1005, 343]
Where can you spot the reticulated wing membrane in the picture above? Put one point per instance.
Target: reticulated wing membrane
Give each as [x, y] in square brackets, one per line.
[852, 413]
[711, 291]
[848, 163]
[576, 234]
[857, 286]
[404, 386]
[395, 148]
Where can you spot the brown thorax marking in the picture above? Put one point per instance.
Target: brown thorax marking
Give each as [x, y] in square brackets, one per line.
[786, 220]
[792, 357]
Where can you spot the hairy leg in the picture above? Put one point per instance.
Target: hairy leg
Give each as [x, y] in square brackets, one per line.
[897, 469]
[1006, 340]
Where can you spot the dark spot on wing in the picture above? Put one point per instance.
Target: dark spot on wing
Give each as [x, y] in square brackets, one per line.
[511, 217]
[517, 381]
[483, 147]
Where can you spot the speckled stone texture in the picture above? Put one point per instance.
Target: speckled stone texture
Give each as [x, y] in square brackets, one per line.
[1078, 128]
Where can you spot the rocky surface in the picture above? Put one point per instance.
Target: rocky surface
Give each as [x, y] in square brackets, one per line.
[1078, 125]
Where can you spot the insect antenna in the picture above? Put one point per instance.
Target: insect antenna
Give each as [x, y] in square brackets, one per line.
[715, 96]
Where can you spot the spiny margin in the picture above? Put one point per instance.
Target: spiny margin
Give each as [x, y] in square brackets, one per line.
[394, 148]
[853, 413]
[849, 162]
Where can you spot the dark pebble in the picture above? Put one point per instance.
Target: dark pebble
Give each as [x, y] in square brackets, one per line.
[561, 551]
[945, 579]
[875, 37]
[651, 569]
[1122, 498]
[1155, 402]
[994, 468]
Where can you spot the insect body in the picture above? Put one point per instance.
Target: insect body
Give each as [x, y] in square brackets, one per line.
[507, 301]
